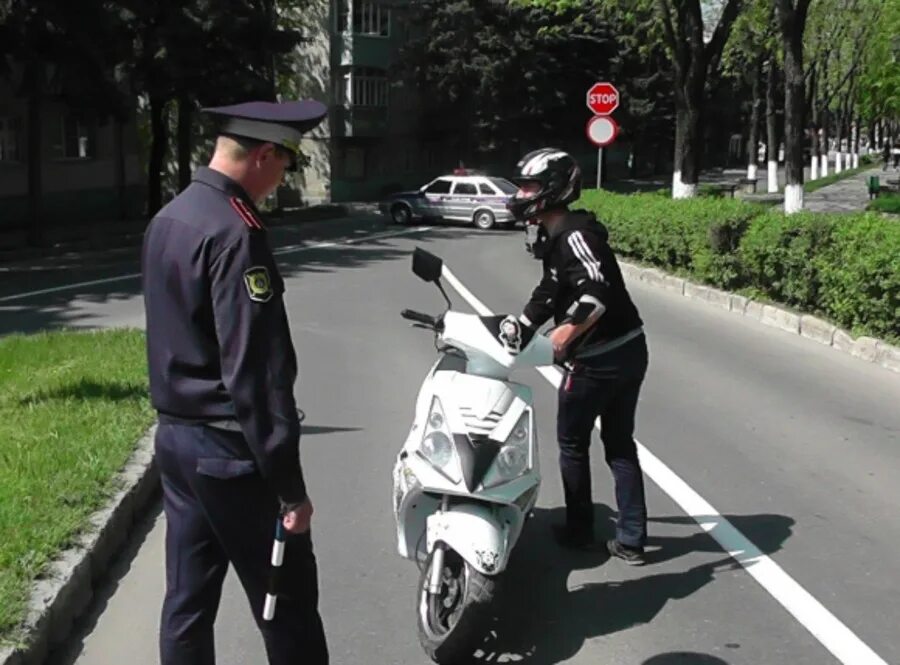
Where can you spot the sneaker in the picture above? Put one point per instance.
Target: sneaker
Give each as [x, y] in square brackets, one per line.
[633, 556]
[572, 539]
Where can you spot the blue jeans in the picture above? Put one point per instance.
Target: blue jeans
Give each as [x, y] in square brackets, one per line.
[607, 386]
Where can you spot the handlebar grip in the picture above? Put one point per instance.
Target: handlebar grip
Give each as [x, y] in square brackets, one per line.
[418, 317]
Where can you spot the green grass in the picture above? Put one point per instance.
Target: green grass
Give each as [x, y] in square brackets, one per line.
[833, 178]
[72, 407]
[886, 203]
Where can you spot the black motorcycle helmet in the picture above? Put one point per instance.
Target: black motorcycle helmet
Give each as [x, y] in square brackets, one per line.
[558, 178]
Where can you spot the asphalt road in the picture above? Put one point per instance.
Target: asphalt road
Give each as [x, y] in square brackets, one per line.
[796, 445]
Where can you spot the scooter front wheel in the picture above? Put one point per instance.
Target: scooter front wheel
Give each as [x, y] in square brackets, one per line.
[450, 621]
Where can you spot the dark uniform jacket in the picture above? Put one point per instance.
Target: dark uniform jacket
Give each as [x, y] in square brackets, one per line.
[218, 342]
[580, 267]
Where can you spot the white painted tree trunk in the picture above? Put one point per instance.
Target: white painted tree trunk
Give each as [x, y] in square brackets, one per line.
[814, 168]
[681, 190]
[838, 158]
[752, 171]
[823, 170]
[773, 176]
[793, 199]
[856, 160]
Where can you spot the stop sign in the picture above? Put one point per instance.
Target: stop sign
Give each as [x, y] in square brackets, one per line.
[603, 98]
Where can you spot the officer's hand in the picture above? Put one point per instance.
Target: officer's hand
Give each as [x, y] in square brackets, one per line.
[297, 521]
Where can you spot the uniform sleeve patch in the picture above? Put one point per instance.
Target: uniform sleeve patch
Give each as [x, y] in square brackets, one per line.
[258, 283]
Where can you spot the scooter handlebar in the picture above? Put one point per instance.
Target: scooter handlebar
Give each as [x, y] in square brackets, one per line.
[419, 317]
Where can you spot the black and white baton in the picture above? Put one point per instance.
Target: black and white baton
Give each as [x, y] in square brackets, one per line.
[277, 558]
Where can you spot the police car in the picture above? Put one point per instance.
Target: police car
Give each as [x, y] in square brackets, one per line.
[474, 198]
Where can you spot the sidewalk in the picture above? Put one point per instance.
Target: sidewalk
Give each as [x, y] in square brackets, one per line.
[849, 195]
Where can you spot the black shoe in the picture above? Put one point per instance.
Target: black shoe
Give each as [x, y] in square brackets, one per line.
[573, 539]
[633, 556]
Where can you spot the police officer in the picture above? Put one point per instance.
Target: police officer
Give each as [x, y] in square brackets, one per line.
[222, 371]
[598, 338]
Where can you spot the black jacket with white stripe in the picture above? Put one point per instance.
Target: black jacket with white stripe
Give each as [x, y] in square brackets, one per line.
[581, 274]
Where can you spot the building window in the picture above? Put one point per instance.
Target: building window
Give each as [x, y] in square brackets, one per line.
[10, 139]
[75, 138]
[365, 18]
[369, 87]
[370, 18]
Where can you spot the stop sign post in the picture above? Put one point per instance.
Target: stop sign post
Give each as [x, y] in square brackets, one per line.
[602, 99]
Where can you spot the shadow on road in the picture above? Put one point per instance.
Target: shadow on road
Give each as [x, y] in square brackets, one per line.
[538, 620]
[57, 310]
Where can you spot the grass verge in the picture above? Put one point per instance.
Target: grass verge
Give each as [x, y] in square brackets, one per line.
[819, 183]
[889, 203]
[72, 407]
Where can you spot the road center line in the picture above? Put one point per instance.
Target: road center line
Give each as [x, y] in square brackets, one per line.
[291, 249]
[812, 615]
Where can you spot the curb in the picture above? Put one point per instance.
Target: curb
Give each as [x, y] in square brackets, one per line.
[868, 349]
[67, 587]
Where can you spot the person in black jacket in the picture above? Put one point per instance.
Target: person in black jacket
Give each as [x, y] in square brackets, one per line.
[222, 370]
[598, 339]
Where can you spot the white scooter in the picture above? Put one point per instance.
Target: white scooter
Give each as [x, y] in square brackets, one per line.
[467, 476]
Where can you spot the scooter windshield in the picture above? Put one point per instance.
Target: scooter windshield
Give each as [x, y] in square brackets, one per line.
[502, 339]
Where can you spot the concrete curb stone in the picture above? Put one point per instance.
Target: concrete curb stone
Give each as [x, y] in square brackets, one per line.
[780, 318]
[65, 591]
[817, 329]
[865, 348]
[673, 283]
[739, 303]
[653, 276]
[754, 310]
[868, 349]
[888, 356]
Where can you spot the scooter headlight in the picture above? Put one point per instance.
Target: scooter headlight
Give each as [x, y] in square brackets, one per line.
[514, 458]
[437, 444]
[437, 449]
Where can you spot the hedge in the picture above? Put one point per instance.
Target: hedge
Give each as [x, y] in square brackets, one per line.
[844, 267]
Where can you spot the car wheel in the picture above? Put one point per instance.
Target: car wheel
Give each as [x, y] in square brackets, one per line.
[484, 219]
[401, 214]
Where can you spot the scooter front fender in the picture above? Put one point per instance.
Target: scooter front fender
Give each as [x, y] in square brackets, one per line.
[476, 532]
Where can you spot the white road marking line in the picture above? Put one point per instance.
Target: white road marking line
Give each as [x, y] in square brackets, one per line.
[812, 615]
[279, 252]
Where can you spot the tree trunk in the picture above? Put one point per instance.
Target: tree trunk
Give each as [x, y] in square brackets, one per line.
[838, 143]
[810, 101]
[823, 144]
[772, 128]
[185, 116]
[753, 139]
[35, 157]
[792, 21]
[160, 133]
[688, 105]
[856, 131]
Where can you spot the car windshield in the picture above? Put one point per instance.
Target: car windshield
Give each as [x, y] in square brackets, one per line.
[504, 185]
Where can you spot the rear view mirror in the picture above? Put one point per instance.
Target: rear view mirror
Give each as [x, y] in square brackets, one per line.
[427, 266]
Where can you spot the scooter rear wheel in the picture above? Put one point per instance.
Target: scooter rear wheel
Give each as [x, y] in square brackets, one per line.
[451, 621]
